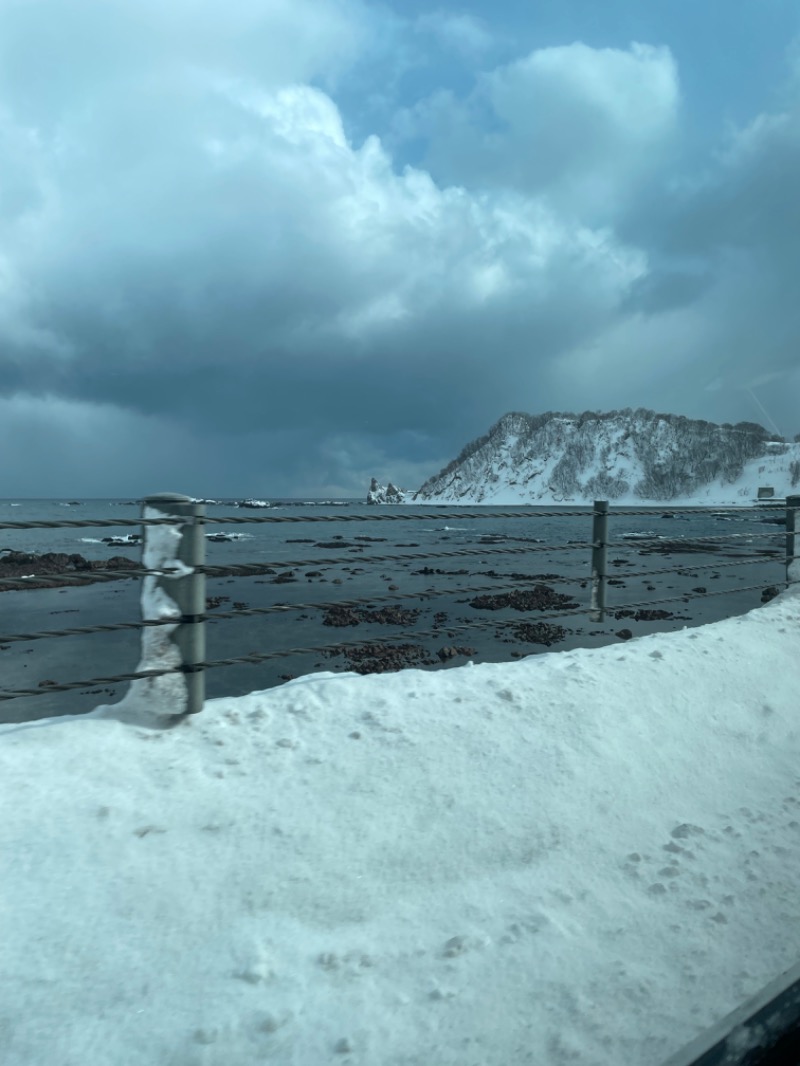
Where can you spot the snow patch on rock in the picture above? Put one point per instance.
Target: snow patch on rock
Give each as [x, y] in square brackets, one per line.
[381, 494]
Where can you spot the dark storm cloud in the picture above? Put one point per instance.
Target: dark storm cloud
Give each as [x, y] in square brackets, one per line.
[201, 271]
[665, 290]
[270, 271]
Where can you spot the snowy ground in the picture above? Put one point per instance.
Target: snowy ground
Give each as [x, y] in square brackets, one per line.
[584, 857]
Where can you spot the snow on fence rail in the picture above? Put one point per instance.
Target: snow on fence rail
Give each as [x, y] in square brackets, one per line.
[174, 572]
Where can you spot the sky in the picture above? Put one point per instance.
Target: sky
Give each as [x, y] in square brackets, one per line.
[585, 857]
[278, 247]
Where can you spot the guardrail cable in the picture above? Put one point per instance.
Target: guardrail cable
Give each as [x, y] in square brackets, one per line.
[91, 577]
[246, 569]
[404, 515]
[421, 594]
[258, 657]
[632, 542]
[340, 647]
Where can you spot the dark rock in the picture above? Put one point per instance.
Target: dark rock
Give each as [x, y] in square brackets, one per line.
[539, 598]
[384, 658]
[769, 593]
[667, 547]
[285, 578]
[539, 633]
[644, 615]
[624, 634]
[349, 616]
[452, 651]
[341, 616]
[48, 566]
[429, 571]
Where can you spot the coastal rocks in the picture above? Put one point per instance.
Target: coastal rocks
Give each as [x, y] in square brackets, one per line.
[382, 494]
[539, 598]
[285, 577]
[215, 601]
[349, 616]
[384, 658]
[430, 571]
[669, 547]
[451, 651]
[645, 615]
[43, 571]
[340, 617]
[539, 633]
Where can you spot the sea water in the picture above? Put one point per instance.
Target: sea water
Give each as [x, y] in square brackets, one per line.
[346, 531]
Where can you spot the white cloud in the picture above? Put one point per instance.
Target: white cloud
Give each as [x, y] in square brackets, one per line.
[582, 125]
[456, 30]
[56, 56]
[242, 205]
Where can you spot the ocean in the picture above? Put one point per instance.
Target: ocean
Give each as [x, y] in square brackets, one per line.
[338, 559]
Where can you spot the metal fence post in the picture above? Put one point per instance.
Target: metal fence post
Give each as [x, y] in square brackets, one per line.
[792, 557]
[189, 593]
[599, 560]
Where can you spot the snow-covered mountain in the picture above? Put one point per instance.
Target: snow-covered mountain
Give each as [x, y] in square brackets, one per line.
[624, 456]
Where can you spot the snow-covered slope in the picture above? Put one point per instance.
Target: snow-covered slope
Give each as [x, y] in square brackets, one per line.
[624, 456]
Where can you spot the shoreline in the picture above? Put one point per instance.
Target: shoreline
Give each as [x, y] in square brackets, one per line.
[438, 602]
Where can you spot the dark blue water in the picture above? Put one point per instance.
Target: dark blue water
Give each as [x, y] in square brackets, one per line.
[351, 536]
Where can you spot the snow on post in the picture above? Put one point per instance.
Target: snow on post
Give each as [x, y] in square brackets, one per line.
[178, 592]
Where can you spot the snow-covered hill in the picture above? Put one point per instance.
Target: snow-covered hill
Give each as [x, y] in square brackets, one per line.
[629, 457]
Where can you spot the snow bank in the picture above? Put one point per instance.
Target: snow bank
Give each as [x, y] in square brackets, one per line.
[583, 857]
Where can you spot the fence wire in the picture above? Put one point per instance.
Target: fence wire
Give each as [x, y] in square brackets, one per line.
[405, 514]
[666, 544]
[421, 594]
[258, 569]
[331, 650]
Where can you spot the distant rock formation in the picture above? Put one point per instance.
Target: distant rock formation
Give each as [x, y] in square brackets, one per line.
[380, 494]
[623, 456]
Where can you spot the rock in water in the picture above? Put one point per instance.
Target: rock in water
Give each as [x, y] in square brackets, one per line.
[381, 494]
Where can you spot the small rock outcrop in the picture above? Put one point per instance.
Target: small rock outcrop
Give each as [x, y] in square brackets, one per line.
[380, 494]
